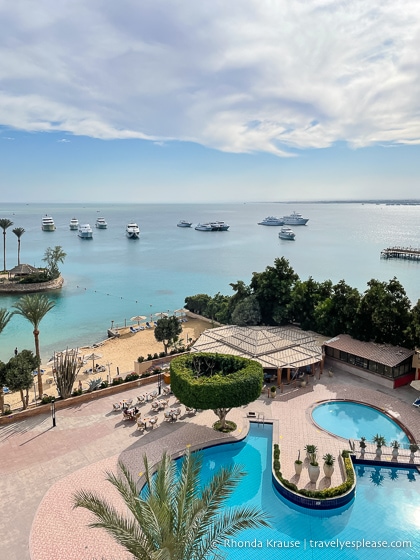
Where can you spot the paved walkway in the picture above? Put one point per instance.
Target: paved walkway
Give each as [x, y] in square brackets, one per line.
[42, 466]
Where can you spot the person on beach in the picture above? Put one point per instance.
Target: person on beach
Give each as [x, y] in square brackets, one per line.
[16, 351]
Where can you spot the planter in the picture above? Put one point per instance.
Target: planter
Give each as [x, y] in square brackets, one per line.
[167, 378]
[328, 470]
[394, 453]
[314, 472]
[298, 468]
[378, 451]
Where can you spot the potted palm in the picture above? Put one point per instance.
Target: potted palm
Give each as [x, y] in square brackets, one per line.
[273, 391]
[328, 464]
[395, 446]
[310, 450]
[380, 441]
[313, 469]
[413, 448]
[362, 444]
[298, 465]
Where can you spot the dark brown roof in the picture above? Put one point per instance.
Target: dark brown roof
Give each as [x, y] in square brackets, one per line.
[382, 353]
[23, 269]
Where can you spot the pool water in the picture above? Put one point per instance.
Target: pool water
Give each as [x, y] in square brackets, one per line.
[386, 508]
[353, 420]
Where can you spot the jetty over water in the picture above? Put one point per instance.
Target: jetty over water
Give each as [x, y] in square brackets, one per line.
[407, 253]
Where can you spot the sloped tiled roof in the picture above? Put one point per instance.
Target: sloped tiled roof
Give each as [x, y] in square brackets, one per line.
[273, 347]
[382, 353]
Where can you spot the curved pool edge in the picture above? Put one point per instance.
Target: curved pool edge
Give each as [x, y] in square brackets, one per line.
[402, 426]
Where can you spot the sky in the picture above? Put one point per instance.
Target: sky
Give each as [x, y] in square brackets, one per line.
[209, 101]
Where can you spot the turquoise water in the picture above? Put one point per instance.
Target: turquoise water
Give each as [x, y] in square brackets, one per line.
[353, 420]
[112, 278]
[386, 508]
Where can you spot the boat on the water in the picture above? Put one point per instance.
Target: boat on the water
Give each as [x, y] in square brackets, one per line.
[212, 226]
[85, 231]
[74, 224]
[271, 221]
[203, 227]
[184, 223]
[101, 223]
[47, 223]
[286, 233]
[295, 219]
[132, 230]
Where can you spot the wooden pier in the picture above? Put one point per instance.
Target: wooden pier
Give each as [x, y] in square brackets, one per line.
[407, 253]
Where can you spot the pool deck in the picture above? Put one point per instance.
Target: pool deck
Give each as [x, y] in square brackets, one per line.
[41, 467]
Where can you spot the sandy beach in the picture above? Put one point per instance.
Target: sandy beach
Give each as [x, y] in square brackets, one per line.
[119, 353]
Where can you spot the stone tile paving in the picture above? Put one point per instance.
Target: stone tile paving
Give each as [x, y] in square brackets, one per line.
[41, 466]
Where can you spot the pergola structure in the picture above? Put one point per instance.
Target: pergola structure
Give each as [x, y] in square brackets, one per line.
[22, 270]
[275, 348]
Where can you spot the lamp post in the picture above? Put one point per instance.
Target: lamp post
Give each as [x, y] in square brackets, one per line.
[109, 364]
[53, 411]
[160, 381]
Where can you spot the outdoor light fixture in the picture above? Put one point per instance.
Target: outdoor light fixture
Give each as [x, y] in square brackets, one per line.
[159, 381]
[53, 411]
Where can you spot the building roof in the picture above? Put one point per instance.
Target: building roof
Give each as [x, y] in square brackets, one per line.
[23, 269]
[381, 353]
[272, 347]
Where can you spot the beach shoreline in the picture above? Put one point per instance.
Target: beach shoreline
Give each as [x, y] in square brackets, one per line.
[117, 355]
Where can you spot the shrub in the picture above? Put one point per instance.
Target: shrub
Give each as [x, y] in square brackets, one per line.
[140, 359]
[104, 385]
[162, 354]
[46, 399]
[149, 357]
[117, 381]
[77, 392]
[7, 411]
[155, 356]
[132, 376]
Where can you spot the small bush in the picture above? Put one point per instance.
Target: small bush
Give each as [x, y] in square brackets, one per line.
[140, 359]
[162, 354]
[117, 381]
[146, 374]
[7, 411]
[104, 385]
[155, 356]
[149, 357]
[77, 392]
[132, 377]
[46, 399]
[229, 426]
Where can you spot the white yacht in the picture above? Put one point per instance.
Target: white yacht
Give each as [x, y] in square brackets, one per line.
[74, 224]
[132, 230]
[101, 223]
[295, 219]
[286, 233]
[85, 231]
[47, 223]
[184, 223]
[271, 221]
[203, 227]
[219, 226]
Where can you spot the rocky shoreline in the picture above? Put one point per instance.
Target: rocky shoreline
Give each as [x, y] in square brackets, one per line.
[13, 288]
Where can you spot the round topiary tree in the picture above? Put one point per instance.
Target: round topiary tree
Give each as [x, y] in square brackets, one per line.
[217, 382]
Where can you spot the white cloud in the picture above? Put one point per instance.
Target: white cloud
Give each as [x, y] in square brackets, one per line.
[238, 76]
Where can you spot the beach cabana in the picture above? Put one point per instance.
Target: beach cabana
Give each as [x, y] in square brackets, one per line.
[22, 270]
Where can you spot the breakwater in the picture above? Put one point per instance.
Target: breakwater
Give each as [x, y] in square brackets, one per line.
[407, 253]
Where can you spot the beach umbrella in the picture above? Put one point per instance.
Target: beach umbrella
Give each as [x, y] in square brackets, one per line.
[93, 357]
[138, 318]
[180, 311]
[160, 314]
[415, 384]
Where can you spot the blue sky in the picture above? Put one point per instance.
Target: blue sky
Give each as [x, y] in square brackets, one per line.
[246, 100]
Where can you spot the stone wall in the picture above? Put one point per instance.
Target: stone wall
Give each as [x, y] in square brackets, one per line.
[12, 288]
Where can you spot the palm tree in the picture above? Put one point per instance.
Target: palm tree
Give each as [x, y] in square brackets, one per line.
[5, 317]
[173, 517]
[34, 308]
[4, 224]
[19, 231]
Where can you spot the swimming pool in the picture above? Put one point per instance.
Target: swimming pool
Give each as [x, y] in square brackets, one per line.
[348, 419]
[386, 508]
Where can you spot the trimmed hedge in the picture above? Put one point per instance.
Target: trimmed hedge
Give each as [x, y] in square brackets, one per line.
[214, 381]
[317, 494]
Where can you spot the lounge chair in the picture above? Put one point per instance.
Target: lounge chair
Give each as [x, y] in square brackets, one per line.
[116, 406]
[141, 399]
[141, 424]
[149, 326]
[416, 403]
[134, 330]
[168, 416]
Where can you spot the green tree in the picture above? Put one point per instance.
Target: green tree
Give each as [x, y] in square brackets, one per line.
[52, 257]
[5, 317]
[336, 314]
[242, 291]
[215, 382]
[384, 313]
[305, 298]
[4, 224]
[413, 330]
[197, 304]
[167, 331]
[273, 289]
[19, 376]
[247, 312]
[218, 308]
[34, 308]
[19, 231]
[173, 518]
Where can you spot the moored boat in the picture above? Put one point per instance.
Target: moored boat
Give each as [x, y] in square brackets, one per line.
[132, 230]
[101, 223]
[85, 231]
[295, 219]
[286, 233]
[74, 224]
[47, 223]
[203, 227]
[219, 226]
[271, 221]
[184, 223]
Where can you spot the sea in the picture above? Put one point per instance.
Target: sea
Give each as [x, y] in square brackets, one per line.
[111, 278]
